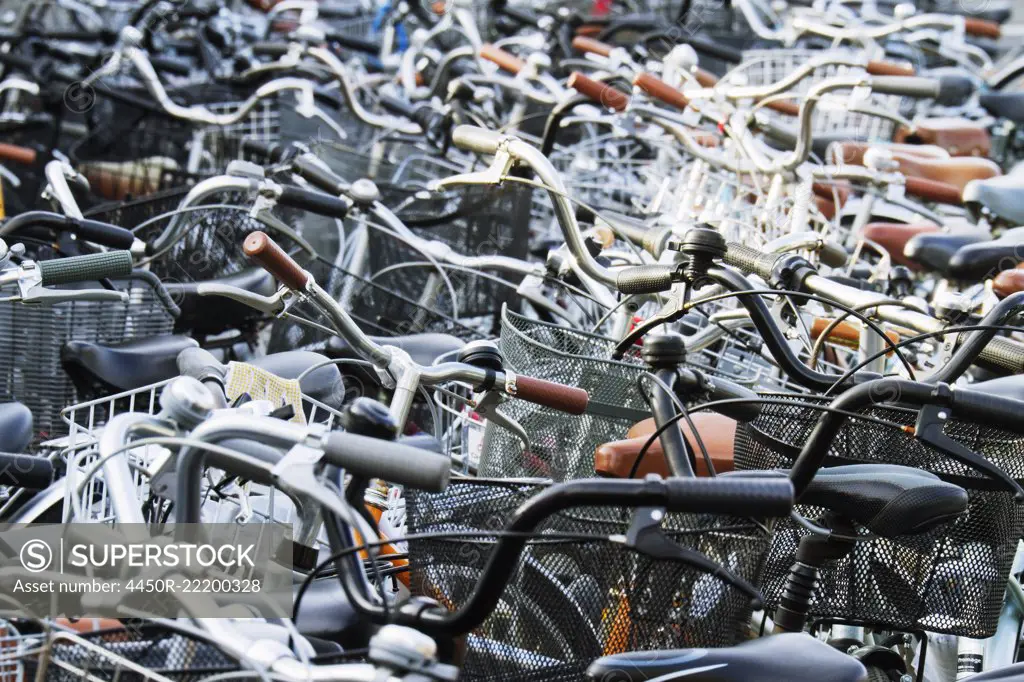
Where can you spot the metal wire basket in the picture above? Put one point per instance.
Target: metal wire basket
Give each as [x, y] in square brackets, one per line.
[562, 446]
[204, 242]
[474, 221]
[84, 426]
[140, 652]
[378, 311]
[32, 338]
[950, 580]
[569, 601]
[837, 113]
[142, 153]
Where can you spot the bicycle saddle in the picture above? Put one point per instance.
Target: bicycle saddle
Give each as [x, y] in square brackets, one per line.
[851, 152]
[1008, 282]
[1002, 196]
[934, 251]
[1008, 386]
[893, 237]
[323, 384]
[617, 458]
[95, 367]
[326, 612]
[957, 136]
[1008, 105]
[208, 315]
[887, 499]
[1011, 673]
[985, 259]
[956, 171]
[15, 427]
[793, 657]
[424, 349]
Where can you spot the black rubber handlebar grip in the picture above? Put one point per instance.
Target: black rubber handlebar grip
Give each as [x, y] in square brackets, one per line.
[367, 457]
[645, 279]
[314, 202]
[85, 268]
[25, 471]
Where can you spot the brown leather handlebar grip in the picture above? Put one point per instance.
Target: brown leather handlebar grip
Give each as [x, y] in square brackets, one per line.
[263, 5]
[549, 394]
[932, 190]
[597, 91]
[832, 190]
[982, 28]
[506, 60]
[784, 106]
[845, 333]
[884, 68]
[1008, 282]
[265, 251]
[586, 44]
[589, 30]
[660, 90]
[16, 154]
[706, 79]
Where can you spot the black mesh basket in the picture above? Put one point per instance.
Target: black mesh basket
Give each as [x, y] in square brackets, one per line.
[950, 580]
[129, 214]
[32, 337]
[377, 310]
[562, 445]
[473, 221]
[159, 650]
[571, 601]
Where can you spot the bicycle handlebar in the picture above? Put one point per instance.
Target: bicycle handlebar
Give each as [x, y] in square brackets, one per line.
[261, 248]
[314, 202]
[94, 266]
[601, 93]
[28, 472]
[265, 251]
[505, 60]
[368, 458]
[94, 231]
[1000, 352]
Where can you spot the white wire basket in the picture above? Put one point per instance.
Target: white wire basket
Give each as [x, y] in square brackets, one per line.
[141, 653]
[79, 450]
[214, 146]
[838, 112]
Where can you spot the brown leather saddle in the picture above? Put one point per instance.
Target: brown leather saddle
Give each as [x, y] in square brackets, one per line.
[957, 136]
[893, 237]
[618, 458]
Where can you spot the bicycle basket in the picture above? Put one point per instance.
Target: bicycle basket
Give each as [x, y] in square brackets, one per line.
[33, 337]
[84, 425]
[562, 445]
[764, 67]
[137, 653]
[569, 601]
[377, 310]
[474, 221]
[950, 580]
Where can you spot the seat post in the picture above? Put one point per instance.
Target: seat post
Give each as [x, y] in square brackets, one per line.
[813, 553]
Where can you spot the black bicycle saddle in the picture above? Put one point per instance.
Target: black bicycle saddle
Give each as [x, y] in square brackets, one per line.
[793, 657]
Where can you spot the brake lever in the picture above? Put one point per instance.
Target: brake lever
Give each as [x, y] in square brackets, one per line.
[928, 430]
[35, 294]
[273, 305]
[492, 175]
[670, 312]
[486, 408]
[646, 535]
